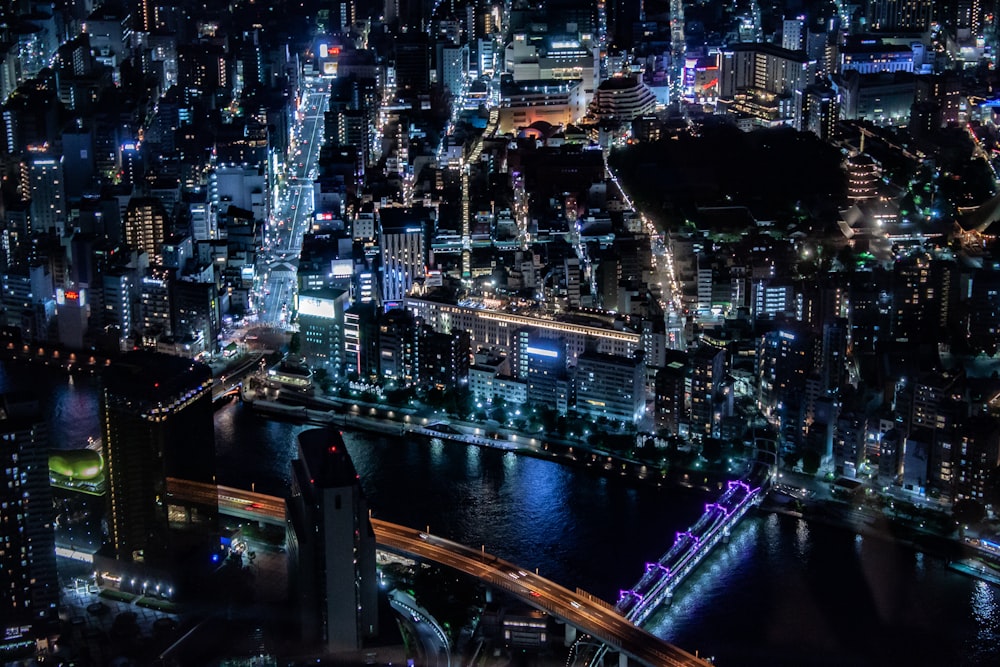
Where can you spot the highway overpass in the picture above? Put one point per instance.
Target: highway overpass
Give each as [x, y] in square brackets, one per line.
[578, 609]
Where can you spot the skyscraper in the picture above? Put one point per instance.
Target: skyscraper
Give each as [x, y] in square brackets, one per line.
[404, 250]
[156, 421]
[43, 185]
[331, 545]
[29, 585]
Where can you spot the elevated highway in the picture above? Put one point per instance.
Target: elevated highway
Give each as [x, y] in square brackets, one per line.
[578, 609]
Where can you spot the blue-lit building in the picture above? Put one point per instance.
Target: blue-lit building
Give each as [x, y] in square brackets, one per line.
[542, 363]
[321, 327]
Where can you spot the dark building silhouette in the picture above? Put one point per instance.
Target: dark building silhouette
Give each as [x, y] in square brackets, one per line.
[156, 422]
[331, 545]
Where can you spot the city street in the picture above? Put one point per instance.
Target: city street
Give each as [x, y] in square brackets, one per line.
[293, 216]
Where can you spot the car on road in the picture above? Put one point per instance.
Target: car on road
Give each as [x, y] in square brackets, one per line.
[534, 594]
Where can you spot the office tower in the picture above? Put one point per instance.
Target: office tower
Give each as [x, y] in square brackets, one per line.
[117, 295]
[29, 584]
[817, 110]
[763, 67]
[195, 311]
[80, 170]
[156, 422]
[792, 33]
[542, 363]
[153, 319]
[453, 67]
[331, 545]
[399, 347]
[976, 456]
[321, 327]
[413, 65]
[146, 225]
[785, 358]
[610, 386]
[622, 15]
[900, 15]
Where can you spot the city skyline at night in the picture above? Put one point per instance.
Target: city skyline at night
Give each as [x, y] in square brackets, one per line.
[500, 332]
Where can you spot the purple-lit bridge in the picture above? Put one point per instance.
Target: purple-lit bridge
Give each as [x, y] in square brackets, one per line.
[690, 547]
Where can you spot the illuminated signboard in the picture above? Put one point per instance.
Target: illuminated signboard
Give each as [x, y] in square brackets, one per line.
[312, 306]
[76, 297]
[542, 352]
[326, 51]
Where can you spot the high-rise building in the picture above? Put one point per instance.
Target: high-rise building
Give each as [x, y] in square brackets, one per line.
[541, 361]
[708, 369]
[399, 347]
[331, 545]
[921, 297]
[118, 287]
[453, 65]
[413, 64]
[146, 226]
[976, 456]
[73, 314]
[153, 319]
[321, 327]
[156, 423]
[45, 187]
[793, 33]
[29, 584]
[900, 15]
[403, 239]
[610, 386]
[671, 392]
[817, 110]
[195, 311]
[444, 358]
[763, 67]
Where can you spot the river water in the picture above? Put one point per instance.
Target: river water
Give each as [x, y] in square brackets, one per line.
[782, 592]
